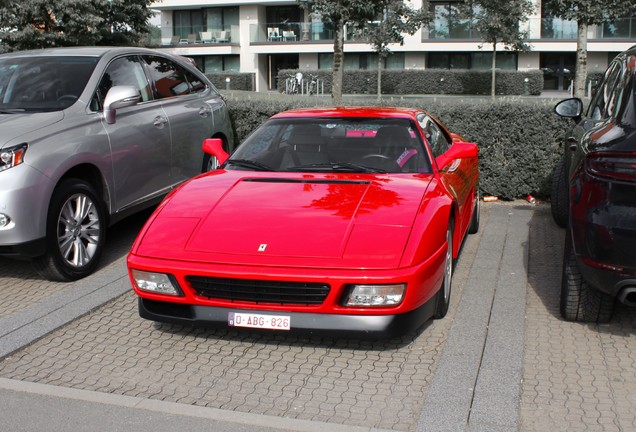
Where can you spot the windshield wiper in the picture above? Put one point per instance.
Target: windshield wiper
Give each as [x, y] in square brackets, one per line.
[337, 166]
[246, 163]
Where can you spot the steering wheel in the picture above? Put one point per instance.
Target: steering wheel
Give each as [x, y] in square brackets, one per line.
[70, 97]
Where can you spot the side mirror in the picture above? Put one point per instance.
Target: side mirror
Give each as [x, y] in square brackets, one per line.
[119, 97]
[214, 147]
[569, 108]
[459, 150]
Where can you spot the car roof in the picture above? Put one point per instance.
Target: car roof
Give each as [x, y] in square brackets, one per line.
[78, 51]
[350, 111]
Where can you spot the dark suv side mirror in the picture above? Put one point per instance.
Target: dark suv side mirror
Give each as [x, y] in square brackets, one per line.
[569, 108]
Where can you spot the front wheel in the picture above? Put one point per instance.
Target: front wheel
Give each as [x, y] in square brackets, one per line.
[443, 295]
[474, 220]
[75, 232]
[580, 301]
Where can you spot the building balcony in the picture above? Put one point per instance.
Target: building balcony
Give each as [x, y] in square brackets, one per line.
[537, 29]
[199, 35]
[291, 32]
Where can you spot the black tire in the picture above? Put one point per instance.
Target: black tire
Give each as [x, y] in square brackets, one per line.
[444, 294]
[559, 201]
[473, 228]
[74, 241]
[580, 301]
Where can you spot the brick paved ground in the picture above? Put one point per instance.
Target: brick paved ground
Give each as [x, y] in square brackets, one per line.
[21, 286]
[373, 384]
[577, 377]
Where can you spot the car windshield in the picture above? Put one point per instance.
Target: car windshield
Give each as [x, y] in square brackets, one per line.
[42, 83]
[360, 145]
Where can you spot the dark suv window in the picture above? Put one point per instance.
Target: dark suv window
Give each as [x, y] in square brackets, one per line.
[171, 79]
[604, 102]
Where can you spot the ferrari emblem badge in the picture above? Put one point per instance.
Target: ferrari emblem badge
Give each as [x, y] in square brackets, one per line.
[262, 247]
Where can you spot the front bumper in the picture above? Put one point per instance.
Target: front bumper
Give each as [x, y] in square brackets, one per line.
[378, 326]
[24, 196]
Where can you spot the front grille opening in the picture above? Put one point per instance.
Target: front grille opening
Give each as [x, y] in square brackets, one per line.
[260, 291]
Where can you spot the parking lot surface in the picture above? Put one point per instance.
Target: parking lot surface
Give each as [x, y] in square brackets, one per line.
[501, 360]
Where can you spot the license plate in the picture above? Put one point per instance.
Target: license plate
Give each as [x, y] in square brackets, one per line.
[258, 321]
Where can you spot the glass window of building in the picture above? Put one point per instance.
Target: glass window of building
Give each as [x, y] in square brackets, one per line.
[449, 22]
[478, 60]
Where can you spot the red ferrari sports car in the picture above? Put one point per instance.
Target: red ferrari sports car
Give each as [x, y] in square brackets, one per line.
[330, 220]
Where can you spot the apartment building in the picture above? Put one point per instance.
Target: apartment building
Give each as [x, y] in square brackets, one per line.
[262, 37]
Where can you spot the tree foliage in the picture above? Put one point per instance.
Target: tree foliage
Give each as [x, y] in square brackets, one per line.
[355, 14]
[31, 24]
[586, 13]
[396, 19]
[500, 22]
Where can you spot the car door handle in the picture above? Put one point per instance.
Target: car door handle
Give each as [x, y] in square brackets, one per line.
[160, 122]
[572, 141]
[204, 112]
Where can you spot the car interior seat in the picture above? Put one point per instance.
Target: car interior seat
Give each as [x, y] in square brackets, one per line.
[395, 145]
[306, 146]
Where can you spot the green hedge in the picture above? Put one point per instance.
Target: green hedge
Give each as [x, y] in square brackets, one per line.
[238, 81]
[428, 81]
[518, 138]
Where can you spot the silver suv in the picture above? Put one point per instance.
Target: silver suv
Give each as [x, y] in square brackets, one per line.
[90, 135]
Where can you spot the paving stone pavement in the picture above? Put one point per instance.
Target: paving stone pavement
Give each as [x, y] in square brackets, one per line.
[353, 382]
[576, 377]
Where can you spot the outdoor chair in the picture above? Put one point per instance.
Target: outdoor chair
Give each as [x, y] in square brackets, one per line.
[206, 37]
[223, 37]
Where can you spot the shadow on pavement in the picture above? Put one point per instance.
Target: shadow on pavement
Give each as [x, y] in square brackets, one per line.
[544, 273]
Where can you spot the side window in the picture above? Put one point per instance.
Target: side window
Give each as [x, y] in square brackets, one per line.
[122, 71]
[434, 135]
[170, 78]
[196, 85]
[602, 105]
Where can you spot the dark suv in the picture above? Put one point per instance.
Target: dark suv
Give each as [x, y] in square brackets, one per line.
[594, 197]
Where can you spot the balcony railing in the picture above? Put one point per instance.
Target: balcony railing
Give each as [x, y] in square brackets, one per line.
[622, 29]
[556, 28]
[291, 32]
[199, 35]
[537, 28]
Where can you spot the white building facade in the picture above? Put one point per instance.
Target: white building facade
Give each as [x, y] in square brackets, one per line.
[262, 37]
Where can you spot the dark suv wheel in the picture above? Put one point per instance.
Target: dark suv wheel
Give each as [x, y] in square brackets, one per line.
[580, 301]
[559, 202]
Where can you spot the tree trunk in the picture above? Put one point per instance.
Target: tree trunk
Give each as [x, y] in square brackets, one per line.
[338, 56]
[581, 61]
[493, 80]
[380, 58]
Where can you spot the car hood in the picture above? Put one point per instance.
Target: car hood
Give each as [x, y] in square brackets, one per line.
[309, 221]
[15, 125]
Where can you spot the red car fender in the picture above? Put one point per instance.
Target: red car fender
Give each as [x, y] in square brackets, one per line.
[429, 230]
